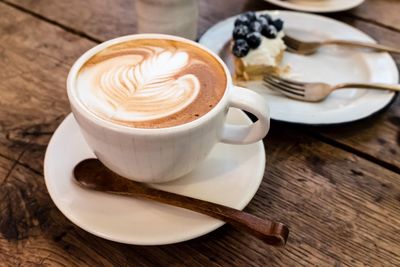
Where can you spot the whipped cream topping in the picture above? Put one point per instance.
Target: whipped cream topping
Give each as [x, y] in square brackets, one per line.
[138, 84]
[266, 54]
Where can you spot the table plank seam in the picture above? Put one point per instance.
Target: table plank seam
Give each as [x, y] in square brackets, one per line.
[377, 23]
[353, 151]
[7, 157]
[53, 22]
[19, 163]
[15, 163]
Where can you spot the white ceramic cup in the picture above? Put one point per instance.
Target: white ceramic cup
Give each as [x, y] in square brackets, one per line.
[164, 154]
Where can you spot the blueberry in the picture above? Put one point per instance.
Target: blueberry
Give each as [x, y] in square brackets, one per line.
[255, 26]
[254, 39]
[278, 23]
[242, 20]
[240, 48]
[251, 15]
[264, 29]
[270, 32]
[267, 17]
[262, 20]
[240, 32]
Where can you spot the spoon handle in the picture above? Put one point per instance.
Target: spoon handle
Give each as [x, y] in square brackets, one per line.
[272, 233]
[92, 174]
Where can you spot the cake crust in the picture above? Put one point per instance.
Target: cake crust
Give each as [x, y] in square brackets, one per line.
[257, 47]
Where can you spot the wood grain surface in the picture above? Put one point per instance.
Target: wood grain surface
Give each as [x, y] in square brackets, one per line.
[338, 188]
[102, 26]
[381, 12]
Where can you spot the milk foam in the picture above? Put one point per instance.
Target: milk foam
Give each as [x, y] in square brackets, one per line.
[139, 84]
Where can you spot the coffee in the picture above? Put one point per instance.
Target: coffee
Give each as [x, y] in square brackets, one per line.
[151, 83]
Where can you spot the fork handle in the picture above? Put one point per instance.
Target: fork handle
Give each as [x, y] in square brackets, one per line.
[381, 86]
[377, 47]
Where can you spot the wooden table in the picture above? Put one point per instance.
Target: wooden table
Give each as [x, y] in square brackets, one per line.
[338, 188]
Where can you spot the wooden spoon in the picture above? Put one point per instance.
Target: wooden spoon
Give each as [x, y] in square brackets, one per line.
[92, 174]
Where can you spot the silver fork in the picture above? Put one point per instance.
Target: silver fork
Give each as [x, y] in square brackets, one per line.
[306, 48]
[314, 92]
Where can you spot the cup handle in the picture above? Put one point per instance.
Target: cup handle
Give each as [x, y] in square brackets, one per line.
[253, 103]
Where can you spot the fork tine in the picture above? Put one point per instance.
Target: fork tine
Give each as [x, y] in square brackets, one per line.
[287, 80]
[282, 89]
[291, 50]
[286, 93]
[291, 42]
[285, 84]
[295, 88]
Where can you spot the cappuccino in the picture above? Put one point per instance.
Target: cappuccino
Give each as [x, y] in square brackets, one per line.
[151, 83]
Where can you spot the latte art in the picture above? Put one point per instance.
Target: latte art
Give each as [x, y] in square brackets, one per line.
[150, 83]
[142, 86]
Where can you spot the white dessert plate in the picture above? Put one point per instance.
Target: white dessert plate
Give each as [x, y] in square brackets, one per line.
[230, 175]
[320, 6]
[330, 64]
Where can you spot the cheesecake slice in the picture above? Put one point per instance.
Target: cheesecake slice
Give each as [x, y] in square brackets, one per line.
[257, 46]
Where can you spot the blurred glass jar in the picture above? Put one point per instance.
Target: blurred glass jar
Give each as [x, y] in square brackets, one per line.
[175, 17]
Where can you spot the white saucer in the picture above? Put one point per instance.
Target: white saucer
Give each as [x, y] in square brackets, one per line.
[230, 176]
[320, 6]
[331, 64]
